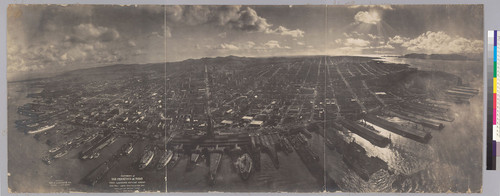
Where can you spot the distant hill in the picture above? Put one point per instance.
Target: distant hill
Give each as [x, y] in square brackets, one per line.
[120, 69]
[457, 57]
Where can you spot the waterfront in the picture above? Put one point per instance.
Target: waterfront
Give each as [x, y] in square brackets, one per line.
[27, 172]
[412, 166]
[457, 149]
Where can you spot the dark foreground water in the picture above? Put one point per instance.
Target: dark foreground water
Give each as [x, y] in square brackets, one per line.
[27, 172]
[450, 162]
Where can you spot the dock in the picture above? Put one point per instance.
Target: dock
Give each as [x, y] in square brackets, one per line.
[368, 134]
[415, 134]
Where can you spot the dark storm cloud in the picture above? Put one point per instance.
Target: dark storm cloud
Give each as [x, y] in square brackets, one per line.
[57, 37]
[52, 37]
[235, 17]
[85, 33]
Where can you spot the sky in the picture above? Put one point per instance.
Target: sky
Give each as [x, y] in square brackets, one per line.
[50, 38]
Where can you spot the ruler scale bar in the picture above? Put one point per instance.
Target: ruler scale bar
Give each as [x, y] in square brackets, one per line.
[491, 127]
[494, 112]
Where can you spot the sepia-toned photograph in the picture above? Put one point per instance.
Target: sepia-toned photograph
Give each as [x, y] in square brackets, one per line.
[245, 98]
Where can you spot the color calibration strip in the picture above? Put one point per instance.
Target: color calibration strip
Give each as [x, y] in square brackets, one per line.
[492, 135]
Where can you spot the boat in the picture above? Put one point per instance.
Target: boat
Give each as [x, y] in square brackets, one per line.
[215, 157]
[314, 156]
[91, 137]
[306, 133]
[367, 132]
[214, 164]
[52, 150]
[127, 149]
[371, 128]
[42, 129]
[173, 162]
[330, 144]
[165, 159]
[302, 138]
[77, 142]
[95, 155]
[47, 159]
[108, 140]
[236, 149]
[288, 145]
[408, 132]
[195, 155]
[32, 125]
[244, 166]
[146, 159]
[60, 154]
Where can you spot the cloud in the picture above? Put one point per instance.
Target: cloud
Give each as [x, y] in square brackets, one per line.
[241, 18]
[385, 47]
[397, 40]
[281, 30]
[225, 46]
[236, 17]
[248, 45]
[442, 43]
[248, 20]
[131, 43]
[59, 54]
[168, 33]
[83, 43]
[222, 35]
[272, 44]
[53, 38]
[371, 17]
[356, 42]
[138, 52]
[300, 43]
[374, 36]
[364, 36]
[75, 54]
[88, 33]
[174, 13]
[360, 43]
[155, 34]
[233, 46]
[385, 7]
[429, 42]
